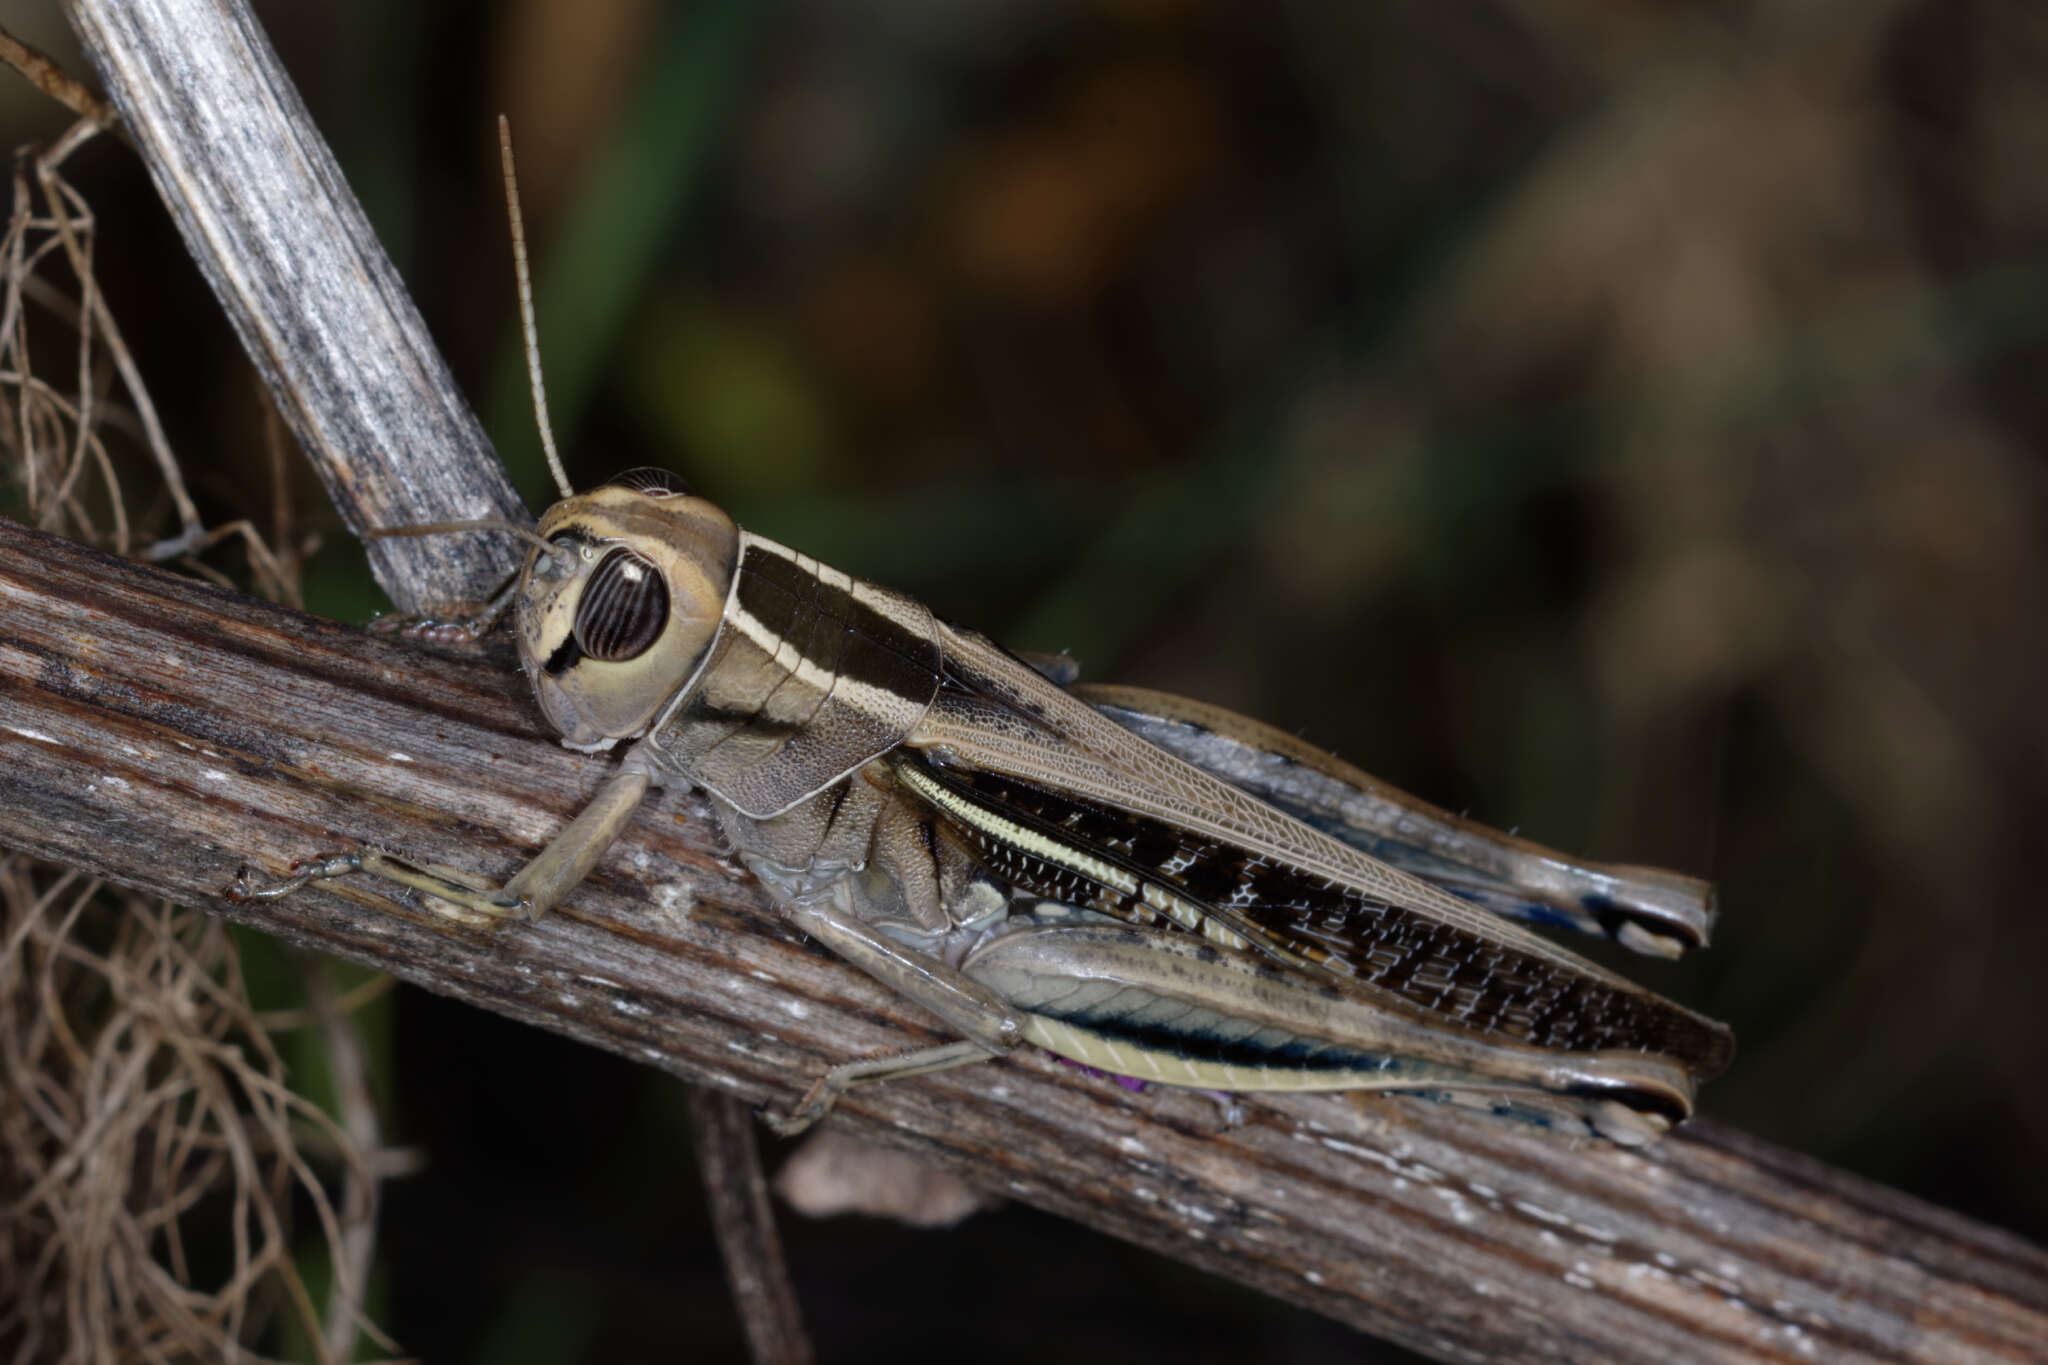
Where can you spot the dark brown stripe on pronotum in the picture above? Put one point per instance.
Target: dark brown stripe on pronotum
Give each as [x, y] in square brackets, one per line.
[843, 635]
[623, 607]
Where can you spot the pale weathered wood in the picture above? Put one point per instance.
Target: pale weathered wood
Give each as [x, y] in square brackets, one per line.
[272, 224]
[162, 733]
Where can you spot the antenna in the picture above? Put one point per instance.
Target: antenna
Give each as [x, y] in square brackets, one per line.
[540, 393]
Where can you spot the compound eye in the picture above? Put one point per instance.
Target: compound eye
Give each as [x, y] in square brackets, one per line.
[655, 483]
[623, 608]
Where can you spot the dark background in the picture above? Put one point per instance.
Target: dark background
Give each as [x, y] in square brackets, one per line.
[1622, 421]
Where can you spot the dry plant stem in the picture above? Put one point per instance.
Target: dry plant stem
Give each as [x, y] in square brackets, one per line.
[42, 412]
[49, 78]
[74, 226]
[318, 306]
[162, 734]
[350, 1072]
[729, 1160]
[137, 1087]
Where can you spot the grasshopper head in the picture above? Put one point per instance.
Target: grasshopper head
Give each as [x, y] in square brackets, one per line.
[617, 619]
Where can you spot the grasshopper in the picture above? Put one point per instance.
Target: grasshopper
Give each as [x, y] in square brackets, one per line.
[1137, 882]
[1133, 881]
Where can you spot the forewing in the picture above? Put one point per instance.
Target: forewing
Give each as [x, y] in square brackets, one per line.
[1647, 909]
[1064, 804]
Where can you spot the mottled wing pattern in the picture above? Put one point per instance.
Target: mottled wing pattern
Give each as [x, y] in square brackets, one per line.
[1648, 909]
[1146, 870]
[1086, 799]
